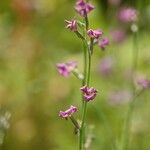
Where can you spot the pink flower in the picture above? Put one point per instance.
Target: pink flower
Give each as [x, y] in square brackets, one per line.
[65, 68]
[72, 25]
[128, 15]
[94, 34]
[103, 43]
[144, 83]
[83, 8]
[89, 93]
[68, 112]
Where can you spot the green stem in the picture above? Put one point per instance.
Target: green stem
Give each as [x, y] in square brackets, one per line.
[74, 122]
[85, 63]
[82, 135]
[91, 45]
[84, 109]
[86, 22]
[78, 75]
[82, 129]
[89, 69]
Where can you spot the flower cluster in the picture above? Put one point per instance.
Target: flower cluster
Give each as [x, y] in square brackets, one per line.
[89, 93]
[83, 8]
[65, 68]
[95, 35]
[68, 112]
[128, 15]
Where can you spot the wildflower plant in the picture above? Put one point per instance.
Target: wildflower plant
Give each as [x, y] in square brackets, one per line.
[89, 37]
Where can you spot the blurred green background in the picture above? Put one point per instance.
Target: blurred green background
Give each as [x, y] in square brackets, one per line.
[32, 40]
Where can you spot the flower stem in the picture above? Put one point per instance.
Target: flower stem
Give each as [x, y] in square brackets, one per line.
[74, 122]
[87, 82]
[89, 69]
[86, 22]
[78, 75]
[85, 63]
[82, 129]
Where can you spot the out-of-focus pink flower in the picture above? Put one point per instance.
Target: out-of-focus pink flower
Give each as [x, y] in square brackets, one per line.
[72, 25]
[128, 15]
[65, 68]
[94, 34]
[103, 43]
[144, 83]
[68, 112]
[118, 35]
[89, 93]
[83, 8]
[119, 97]
[106, 65]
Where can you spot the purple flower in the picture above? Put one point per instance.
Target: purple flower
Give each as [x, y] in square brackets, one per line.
[103, 43]
[68, 112]
[94, 34]
[72, 25]
[83, 8]
[106, 65]
[89, 93]
[128, 15]
[144, 83]
[65, 68]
